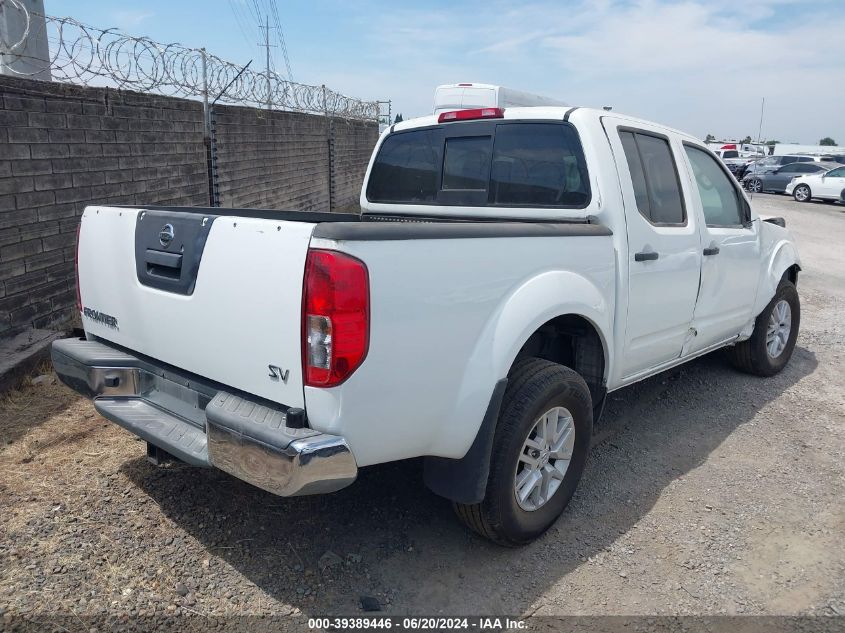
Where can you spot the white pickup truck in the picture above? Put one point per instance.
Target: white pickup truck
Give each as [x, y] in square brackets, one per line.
[508, 270]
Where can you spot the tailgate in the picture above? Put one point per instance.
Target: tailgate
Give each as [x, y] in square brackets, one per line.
[218, 296]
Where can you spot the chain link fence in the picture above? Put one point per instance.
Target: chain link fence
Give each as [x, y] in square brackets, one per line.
[83, 54]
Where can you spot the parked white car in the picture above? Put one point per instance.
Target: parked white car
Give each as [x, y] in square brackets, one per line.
[509, 269]
[828, 186]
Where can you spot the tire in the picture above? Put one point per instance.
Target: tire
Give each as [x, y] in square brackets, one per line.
[536, 387]
[802, 193]
[753, 356]
[755, 185]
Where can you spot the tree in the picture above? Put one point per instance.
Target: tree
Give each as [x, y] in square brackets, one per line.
[710, 138]
[747, 139]
[827, 141]
[399, 118]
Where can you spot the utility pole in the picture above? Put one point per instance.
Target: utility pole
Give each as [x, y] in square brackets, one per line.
[267, 47]
[760, 129]
[24, 49]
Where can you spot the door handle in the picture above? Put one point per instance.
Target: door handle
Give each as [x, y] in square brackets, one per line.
[712, 250]
[645, 257]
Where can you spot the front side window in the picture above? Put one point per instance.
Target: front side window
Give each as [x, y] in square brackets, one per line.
[719, 197]
[839, 172]
[654, 177]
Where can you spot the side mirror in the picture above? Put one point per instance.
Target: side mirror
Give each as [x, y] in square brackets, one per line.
[776, 171]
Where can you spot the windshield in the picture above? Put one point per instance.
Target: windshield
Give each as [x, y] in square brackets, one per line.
[483, 164]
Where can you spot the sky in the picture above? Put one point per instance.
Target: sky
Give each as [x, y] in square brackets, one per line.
[702, 66]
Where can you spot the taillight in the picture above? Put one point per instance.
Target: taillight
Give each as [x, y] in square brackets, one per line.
[335, 317]
[466, 115]
[76, 268]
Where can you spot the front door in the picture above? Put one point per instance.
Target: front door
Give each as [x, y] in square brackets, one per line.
[831, 185]
[730, 244]
[663, 247]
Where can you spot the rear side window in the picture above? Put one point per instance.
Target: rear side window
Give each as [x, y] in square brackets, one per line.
[407, 168]
[654, 177]
[483, 164]
[635, 166]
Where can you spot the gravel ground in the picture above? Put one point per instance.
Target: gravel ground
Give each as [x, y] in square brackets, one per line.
[711, 493]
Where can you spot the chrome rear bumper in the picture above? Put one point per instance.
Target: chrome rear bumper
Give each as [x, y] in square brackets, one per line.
[202, 424]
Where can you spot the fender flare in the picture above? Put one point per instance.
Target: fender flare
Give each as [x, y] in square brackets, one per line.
[784, 256]
[464, 480]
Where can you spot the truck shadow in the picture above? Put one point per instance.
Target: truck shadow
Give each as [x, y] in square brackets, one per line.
[386, 536]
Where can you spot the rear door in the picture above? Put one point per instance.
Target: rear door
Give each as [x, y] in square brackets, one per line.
[663, 247]
[730, 247]
[831, 184]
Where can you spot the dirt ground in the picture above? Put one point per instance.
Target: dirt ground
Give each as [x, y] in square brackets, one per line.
[712, 493]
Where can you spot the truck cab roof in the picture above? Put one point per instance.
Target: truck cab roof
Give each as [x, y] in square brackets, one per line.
[575, 114]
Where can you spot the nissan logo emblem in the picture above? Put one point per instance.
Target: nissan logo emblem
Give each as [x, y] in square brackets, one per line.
[165, 236]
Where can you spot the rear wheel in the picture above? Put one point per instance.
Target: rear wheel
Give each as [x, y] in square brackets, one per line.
[801, 193]
[773, 340]
[541, 444]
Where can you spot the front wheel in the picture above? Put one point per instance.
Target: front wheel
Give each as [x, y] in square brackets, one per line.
[539, 449]
[773, 339]
[801, 193]
[755, 185]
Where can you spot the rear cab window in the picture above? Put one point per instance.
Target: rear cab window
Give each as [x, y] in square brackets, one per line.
[483, 163]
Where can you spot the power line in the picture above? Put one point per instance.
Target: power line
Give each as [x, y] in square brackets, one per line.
[281, 35]
[243, 25]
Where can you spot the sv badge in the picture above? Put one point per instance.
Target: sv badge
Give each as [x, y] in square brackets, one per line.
[277, 373]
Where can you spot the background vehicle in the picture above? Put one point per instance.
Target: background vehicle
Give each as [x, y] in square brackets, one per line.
[472, 95]
[735, 160]
[508, 270]
[777, 179]
[834, 158]
[827, 186]
[773, 162]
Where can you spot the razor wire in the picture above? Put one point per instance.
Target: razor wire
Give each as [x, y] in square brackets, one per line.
[86, 55]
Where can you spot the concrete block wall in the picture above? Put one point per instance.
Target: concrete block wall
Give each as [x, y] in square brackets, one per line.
[63, 147]
[352, 144]
[272, 160]
[281, 160]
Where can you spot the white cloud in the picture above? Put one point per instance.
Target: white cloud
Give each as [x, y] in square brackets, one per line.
[701, 65]
[128, 19]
